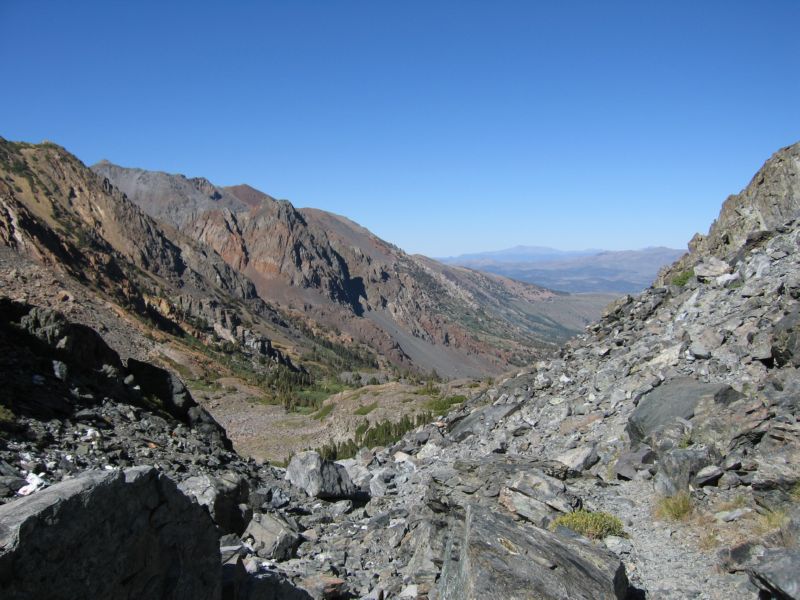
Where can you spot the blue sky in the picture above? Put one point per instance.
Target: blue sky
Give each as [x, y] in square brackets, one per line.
[444, 127]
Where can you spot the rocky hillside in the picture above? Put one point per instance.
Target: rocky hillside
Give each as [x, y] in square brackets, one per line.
[655, 456]
[327, 269]
[57, 212]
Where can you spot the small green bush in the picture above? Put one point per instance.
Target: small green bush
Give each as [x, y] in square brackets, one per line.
[366, 409]
[795, 493]
[323, 412]
[675, 508]
[443, 405]
[6, 416]
[594, 525]
[681, 279]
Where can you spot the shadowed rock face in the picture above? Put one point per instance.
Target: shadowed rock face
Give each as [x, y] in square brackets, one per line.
[109, 535]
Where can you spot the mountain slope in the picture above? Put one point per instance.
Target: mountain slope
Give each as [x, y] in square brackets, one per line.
[56, 211]
[322, 267]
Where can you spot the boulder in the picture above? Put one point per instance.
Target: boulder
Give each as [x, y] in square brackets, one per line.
[777, 574]
[82, 344]
[272, 536]
[537, 498]
[579, 459]
[678, 467]
[320, 478]
[481, 421]
[169, 389]
[678, 398]
[225, 497]
[630, 463]
[491, 556]
[711, 267]
[108, 535]
[786, 340]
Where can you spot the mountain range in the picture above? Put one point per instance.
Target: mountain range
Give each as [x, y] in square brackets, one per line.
[655, 455]
[582, 271]
[232, 265]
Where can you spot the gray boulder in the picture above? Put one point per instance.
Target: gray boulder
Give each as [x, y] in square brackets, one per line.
[678, 467]
[537, 498]
[272, 536]
[491, 556]
[170, 391]
[711, 267]
[678, 398]
[579, 459]
[225, 497]
[777, 574]
[108, 534]
[786, 340]
[481, 421]
[320, 478]
[630, 463]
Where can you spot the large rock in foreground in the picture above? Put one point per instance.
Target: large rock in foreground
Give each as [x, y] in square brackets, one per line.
[676, 399]
[320, 478]
[494, 557]
[108, 535]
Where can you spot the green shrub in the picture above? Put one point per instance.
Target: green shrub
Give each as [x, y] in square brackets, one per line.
[366, 409]
[682, 278]
[323, 412]
[6, 416]
[675, 508]
[429, 389]
[795, 492]
[443, 405]
[594, 525]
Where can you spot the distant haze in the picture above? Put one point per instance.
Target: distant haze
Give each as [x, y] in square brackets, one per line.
[574, 271]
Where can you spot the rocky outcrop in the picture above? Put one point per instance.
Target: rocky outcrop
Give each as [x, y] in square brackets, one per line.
[224, 497]
[320, 478]
[108, 535]
[494, 557]
[771, 200]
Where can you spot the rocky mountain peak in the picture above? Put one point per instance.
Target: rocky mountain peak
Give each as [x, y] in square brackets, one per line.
[771, 199]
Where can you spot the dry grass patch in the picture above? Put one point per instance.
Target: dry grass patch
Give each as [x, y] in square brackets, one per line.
[795, 493]
[772, 520]
[594, 525]
[675, 508]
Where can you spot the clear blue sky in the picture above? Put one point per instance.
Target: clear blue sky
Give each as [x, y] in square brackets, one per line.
[445, 127]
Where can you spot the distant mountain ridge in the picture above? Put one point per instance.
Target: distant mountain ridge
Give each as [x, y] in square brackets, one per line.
[327, 269]
[519, 254]
[597, 271]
